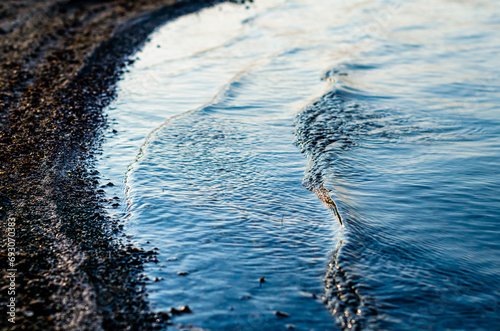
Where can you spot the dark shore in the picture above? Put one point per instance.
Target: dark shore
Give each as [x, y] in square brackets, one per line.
[59, 62]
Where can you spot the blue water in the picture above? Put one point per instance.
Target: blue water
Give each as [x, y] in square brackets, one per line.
[387, 220]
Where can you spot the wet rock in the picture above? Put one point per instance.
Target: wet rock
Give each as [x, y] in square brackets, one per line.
[180, 311]
[281, 314]
[164, 316]
[28, 313]
[134, 249]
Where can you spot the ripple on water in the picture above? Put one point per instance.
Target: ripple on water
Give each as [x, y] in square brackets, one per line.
[405, 146]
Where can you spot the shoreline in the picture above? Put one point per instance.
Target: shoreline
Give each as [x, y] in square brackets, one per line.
[59, 63]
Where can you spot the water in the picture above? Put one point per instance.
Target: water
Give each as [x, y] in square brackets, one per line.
[395, 108]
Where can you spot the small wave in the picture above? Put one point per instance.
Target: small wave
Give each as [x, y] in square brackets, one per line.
[354, 144]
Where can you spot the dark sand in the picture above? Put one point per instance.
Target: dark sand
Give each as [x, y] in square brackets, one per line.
[59, 62]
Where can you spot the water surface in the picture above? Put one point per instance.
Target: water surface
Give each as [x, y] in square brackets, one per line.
[395, 108]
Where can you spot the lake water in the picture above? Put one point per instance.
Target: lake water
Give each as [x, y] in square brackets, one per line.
[347, 152]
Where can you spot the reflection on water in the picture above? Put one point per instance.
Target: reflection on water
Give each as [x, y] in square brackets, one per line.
[406, 146]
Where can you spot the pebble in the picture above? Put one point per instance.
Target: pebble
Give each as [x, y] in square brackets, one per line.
[281, 314]
[181, 310]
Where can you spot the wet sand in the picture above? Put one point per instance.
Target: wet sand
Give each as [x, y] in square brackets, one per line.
[59, 62]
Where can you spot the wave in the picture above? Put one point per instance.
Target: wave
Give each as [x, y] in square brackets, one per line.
[377, 168]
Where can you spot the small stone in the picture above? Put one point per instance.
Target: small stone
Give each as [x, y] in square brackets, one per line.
[133, 249]
[281, 314]
[174, 311]
[181, 310]
[164, 316]
[185, 309]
